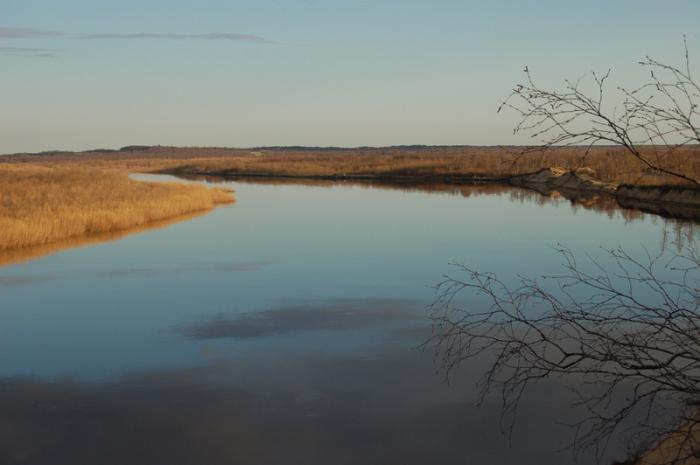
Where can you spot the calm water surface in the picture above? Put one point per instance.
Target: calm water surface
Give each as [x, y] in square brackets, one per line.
[281, 330]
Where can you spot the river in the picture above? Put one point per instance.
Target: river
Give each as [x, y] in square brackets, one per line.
[284, 329]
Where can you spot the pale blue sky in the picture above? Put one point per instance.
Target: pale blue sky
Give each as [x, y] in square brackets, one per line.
[81, 74]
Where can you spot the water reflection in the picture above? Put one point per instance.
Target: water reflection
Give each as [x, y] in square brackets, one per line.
[112, 273]
[24, 254]
[681, 219]
[282, 331]
[384, 409]
[330, 315]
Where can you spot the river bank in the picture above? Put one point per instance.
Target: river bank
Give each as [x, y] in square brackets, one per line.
[671, 201]
[43, 205]
[580, 175]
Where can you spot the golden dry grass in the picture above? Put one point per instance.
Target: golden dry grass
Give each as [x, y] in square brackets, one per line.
[41, 205]
[23, 254]
[678, 448]
[610, 164]
[57, 195]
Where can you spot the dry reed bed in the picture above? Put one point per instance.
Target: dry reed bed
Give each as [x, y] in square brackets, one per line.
[610, 164]
[41, 205]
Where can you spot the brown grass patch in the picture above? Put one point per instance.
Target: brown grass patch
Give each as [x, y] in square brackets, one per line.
[54, 196]
[24, 254]
[609, 164]
[41, 205]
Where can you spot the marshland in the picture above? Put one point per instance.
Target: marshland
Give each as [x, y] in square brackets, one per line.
[349, 233]
[266, 313]
[52, 196]
[41, 205]
[270, 314]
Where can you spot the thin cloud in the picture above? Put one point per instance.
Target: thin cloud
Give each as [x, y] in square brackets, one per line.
[21, 49]
[27, 51]
[26, 33]
[30, 33]
[225, 36]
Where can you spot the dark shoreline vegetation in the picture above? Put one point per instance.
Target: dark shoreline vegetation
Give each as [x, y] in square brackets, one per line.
[574, 172]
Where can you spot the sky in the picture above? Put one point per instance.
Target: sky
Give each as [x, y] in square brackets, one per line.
[83, 74]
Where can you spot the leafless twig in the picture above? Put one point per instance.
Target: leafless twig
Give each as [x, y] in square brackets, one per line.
[629, 333]
[653, 121]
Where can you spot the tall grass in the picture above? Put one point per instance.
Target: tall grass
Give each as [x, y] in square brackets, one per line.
[41, 205]
[610, 164]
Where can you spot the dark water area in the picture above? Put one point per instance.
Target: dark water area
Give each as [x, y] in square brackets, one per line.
[285, 329]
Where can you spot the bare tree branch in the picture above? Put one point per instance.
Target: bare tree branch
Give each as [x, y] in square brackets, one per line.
[654, 120]
[628, 335]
